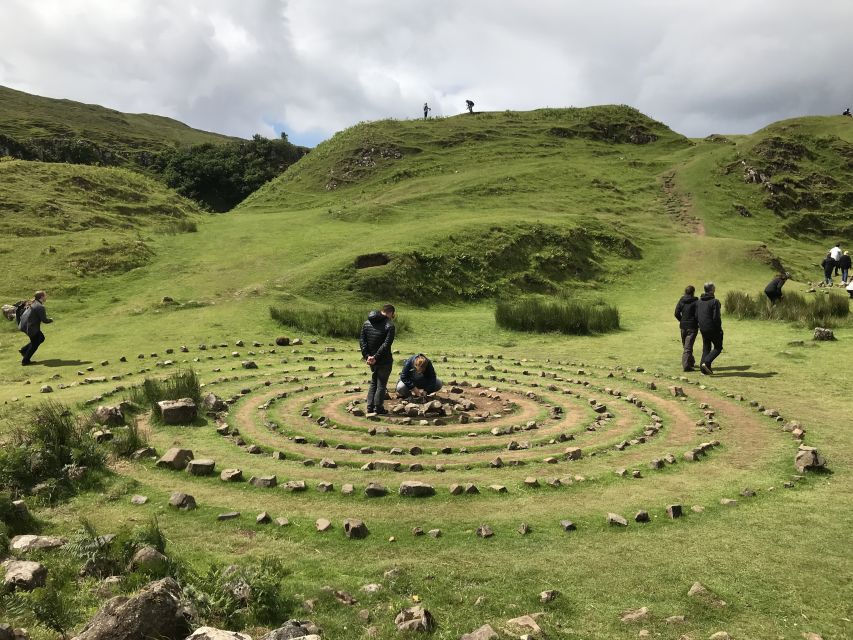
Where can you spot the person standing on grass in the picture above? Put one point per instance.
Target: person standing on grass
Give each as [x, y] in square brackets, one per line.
[426, 110]
[418, 377]
[708, 314]
[828, 265]
[835, 252]
[685, 313]
[377, 336]
[774, 289]
[31, 321]
[844, 265]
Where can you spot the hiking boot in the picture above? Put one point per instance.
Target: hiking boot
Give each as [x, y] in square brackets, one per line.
[25, 363]
[689, 369]
[370, 409]
[381, 411]
[704, 368]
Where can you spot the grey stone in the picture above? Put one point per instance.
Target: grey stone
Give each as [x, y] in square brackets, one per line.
[183, 411]
[149, 559]
[27, 543]
[484, 531]
[415, 619]
[264, 482]
[355, 528]
[176, 459]
[483, 633]
[808, 459]
[201, 467]
[24, 575]
[375, 490]
[182, 501]
[211, 633]
[231, 475]
[616, 519]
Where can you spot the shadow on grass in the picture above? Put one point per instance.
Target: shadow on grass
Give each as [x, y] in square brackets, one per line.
[61, 363]
[745, 374]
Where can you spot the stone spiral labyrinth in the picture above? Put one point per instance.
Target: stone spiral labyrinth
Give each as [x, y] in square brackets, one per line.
[565, 443]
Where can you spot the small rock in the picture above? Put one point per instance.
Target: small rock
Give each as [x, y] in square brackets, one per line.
[548, 596]
[616, 520]
[634, 615]
[485, 531]
[355, 529]
[415, 619]
[322, 525]
[483, 633]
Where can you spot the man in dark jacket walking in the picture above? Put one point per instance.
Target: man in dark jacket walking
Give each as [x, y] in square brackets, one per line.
[829, 264]
[31, 321]
[844, 263]
[685, 313]
[709, 317]
[377, 336]
[773, 290]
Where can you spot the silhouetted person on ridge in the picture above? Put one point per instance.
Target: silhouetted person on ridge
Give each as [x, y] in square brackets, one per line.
[31, 321]
[426, 110]
[377, 336]
[773, 290]
[470, 105]
[685, 313]
[708, 314]
[847, 113]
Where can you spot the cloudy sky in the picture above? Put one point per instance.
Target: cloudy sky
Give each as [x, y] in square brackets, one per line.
[313, 67]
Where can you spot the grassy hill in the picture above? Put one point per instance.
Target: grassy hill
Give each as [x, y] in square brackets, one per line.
[25, 117]
[443, 217]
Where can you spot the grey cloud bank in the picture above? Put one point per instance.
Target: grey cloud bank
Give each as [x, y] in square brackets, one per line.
[312, 67]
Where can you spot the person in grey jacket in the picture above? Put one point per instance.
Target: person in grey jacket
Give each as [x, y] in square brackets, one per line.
[377, 336]
[31, 322]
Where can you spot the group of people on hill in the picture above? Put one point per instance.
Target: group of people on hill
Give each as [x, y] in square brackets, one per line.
[836, 260]
[417, 378]
[29, 316]
[703, 316]
[469, 104]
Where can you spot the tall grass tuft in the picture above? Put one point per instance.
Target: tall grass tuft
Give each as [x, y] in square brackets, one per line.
[544, 316]
[181, 384]
[332, 322]
[821, 311]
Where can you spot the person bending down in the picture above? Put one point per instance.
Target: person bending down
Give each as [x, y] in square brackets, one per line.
[418, 377]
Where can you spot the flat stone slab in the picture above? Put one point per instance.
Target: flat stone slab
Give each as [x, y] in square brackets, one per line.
[176, 459]
[201, 467]
[28, 543]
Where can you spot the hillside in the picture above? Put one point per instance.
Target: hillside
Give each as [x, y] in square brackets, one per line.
[94, 133]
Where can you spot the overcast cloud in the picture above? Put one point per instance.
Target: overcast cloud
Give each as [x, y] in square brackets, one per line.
[313, 67]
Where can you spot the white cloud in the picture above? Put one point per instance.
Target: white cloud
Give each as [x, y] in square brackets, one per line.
[316, 66]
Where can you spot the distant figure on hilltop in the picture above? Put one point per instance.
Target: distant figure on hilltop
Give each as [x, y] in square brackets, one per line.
[377, 336]
[708, 314]
[426, 110]
[470, 105]
[418, 377]
[847, 113]
[30, 323]
[773, 290]
[685, 313]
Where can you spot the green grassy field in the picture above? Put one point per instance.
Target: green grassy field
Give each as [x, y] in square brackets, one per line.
[465, 209]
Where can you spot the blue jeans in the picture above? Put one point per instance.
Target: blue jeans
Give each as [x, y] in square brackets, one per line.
[844, 275]
[827, 278]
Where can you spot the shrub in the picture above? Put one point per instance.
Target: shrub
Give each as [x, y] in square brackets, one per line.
[237, 597]
[332, 322]
[94, 550]
[51, 447]
[181, 384]
[128, 440]
[543, 316]
[821, 311]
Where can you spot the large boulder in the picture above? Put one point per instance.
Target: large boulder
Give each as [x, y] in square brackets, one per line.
[212, 402]
[209, 633]
[24, 575]
[808, 459]
[150, 560]
[109, 416]
[27, 543]
[183, 411]
[416, 489]
[155, 612]
[176, 459]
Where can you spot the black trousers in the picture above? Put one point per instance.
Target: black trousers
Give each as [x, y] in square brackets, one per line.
[378, 385]
[35, 342]
[688, 338]
[712, 346]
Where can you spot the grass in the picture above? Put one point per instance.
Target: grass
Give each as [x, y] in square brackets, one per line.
[332, 322]
[817, 311]
[181, 384]
[544, 316]
[457, 178]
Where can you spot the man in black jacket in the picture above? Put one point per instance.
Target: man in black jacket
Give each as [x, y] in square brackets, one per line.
[774, 288]
[685, 313]
[31, 322]
[708, 315]
[377, 336]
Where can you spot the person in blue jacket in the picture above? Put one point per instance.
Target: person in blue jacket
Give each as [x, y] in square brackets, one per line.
[418, 377]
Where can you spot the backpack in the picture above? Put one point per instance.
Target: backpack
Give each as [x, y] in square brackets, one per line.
[21, 315]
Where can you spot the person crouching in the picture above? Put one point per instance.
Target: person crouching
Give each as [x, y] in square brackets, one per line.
[418, 377]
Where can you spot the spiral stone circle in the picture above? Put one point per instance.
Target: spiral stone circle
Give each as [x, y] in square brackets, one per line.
[499, 430]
